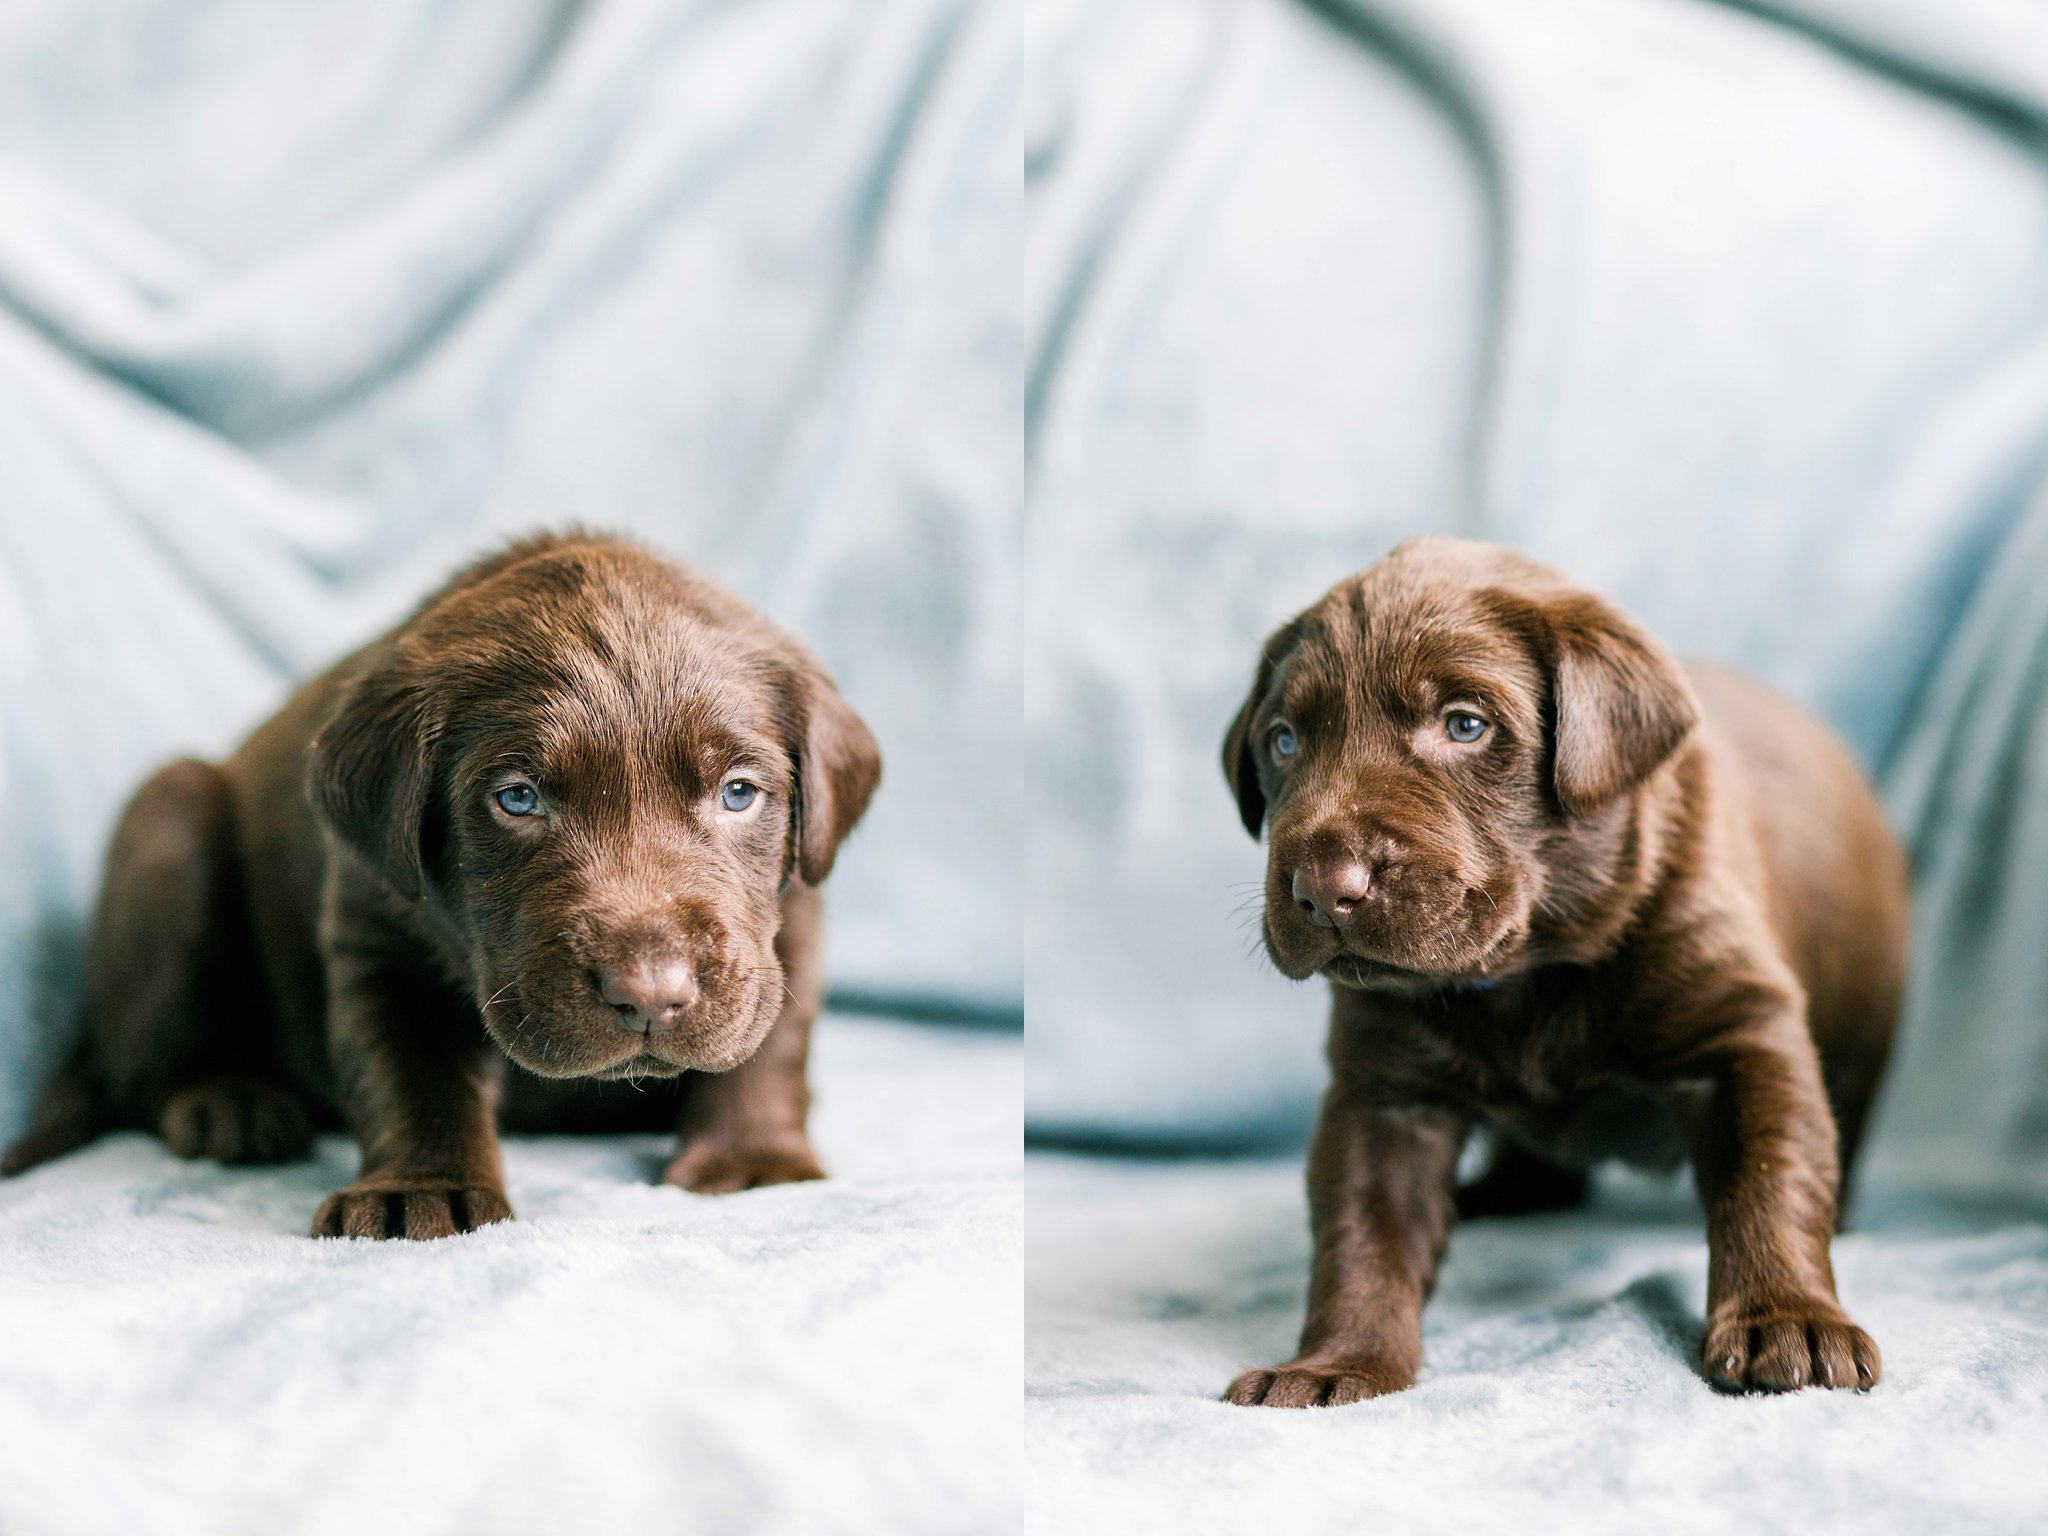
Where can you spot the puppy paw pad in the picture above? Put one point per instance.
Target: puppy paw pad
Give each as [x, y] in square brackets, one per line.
[1788, 1349]
[383, 1209]
[1310, 1386]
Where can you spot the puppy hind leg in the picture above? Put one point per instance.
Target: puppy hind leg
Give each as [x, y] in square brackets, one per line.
[178, 1022]
[236, 1120]
[1851, 1090]
[1854, 1037]
[1519, 1182]
[71, 1112]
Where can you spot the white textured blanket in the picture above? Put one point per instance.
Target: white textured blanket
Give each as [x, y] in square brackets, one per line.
[177, 1356]
[1559, 1392]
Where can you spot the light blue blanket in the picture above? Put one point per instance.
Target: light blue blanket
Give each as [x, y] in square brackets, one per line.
[1560, 1392]
[299, 306]
[1738, 313]
[298, 310]
[826, 1357]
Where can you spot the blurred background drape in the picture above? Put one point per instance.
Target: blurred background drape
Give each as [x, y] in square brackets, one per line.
[1739, 312]
[300, 306]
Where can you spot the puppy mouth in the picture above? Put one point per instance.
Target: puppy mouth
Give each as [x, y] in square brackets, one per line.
[647, 1061]
[633, 1059]
[642, 1063]
[1365, 974]
[1372, 960]
[560, 1034]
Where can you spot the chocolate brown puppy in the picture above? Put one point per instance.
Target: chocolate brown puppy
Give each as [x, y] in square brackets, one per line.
[1604, 906]
[546, 854]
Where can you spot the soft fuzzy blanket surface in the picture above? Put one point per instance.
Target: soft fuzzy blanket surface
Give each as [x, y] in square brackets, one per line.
[177, 1356]
[1559, 1393]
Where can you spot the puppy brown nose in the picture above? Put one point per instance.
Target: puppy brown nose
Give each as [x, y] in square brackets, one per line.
[645, 992]
[1329, 894]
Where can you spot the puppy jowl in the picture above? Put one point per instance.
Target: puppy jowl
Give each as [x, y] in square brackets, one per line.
[1600, 904]
[563, 827]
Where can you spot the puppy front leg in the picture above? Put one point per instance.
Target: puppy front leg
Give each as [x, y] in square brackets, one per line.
[745, 1128]
[1764, 1154]
[1381, 1205]
[417, 1084]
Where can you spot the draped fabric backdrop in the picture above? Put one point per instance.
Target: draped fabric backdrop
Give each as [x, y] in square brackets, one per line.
[1737, 312]
[300, 307]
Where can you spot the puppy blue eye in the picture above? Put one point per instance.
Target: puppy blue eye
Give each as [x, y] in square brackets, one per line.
[519, 800]
[737, 795]
[1460, 726]
[1284, 744]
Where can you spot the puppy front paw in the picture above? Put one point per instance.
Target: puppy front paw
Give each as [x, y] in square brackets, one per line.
[1786, 1347]
[722, 1167]
[1317, 1384]
[385, 1208]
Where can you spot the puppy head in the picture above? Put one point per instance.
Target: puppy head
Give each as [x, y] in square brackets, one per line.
[1442, 750]
[601, 770]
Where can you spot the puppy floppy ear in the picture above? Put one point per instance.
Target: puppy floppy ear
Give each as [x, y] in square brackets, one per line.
[370, 771]
[1622, 705]
[1240, 752]
[838, 766]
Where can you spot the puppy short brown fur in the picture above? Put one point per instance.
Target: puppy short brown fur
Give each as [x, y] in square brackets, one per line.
[1603, 905]
[549, 844]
